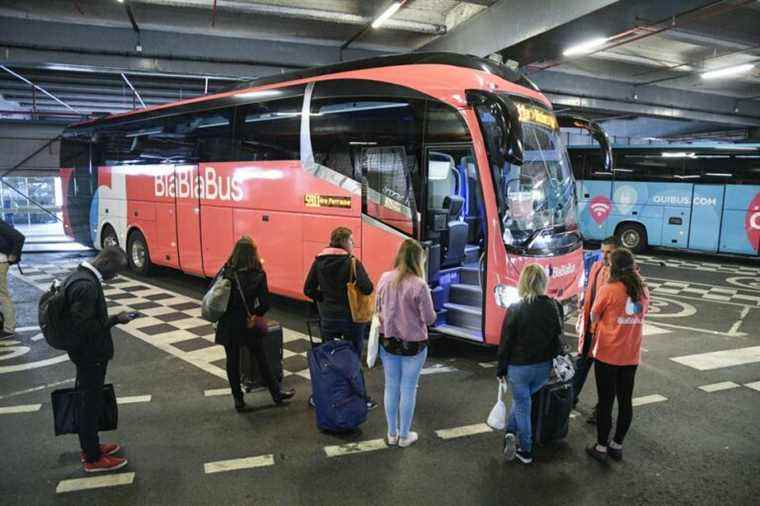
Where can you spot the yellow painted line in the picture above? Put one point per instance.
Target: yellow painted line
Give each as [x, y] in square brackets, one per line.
[352, 448]
[648, 399]
[109, 480]
[133, 399]
[237, 464]
[717, 387]
[25, 408]
[467, 430]
[217, 391]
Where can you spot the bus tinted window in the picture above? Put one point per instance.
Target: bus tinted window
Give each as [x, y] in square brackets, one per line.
[723, 168]
[594, 168]
[270, 130]
[650, 166]
[445, 124]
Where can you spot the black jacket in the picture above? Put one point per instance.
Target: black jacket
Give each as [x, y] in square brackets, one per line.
[88, 315]
[327, 279]
[11, 240]
[531, 333]
[231, 326]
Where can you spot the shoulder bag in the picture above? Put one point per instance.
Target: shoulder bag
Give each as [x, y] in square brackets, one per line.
[563, 368]
[253, 322]
[362, 306]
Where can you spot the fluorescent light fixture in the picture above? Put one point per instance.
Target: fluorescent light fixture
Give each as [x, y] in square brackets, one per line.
[623, 170]
[690, 176]
[585, 47]
[259, 94]
[718, 174]
[677, 154]
[214, 124]
[729, 71]
[143, 133]
[390, 11]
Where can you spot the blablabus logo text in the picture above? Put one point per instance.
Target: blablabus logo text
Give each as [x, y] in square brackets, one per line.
[184, 185]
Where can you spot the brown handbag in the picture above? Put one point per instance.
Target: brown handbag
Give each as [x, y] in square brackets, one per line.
[362, 306]
[257, 324]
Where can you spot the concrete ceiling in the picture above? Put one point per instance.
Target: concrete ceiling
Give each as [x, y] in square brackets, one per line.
[96, 56]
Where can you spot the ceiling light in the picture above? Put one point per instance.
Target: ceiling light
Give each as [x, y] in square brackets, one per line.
[585, 47]
[390, 11]
[258, 94]
[677, 154]
[729, 71]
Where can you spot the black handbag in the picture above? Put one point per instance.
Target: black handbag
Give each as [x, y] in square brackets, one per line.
[66, 405]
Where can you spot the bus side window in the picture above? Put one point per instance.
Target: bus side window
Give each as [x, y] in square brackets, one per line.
[649, 167]
[270, 130]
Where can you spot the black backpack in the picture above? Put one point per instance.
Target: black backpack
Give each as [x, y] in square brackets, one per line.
[55, 324]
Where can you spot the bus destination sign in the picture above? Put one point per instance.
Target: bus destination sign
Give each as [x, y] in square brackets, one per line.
[531, 114]
[316, 200]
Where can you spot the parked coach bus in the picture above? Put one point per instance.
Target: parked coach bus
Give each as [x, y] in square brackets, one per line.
[696, 197]
[455, 151]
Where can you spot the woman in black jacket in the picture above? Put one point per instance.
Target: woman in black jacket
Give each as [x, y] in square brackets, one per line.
[245, 272]
[530, 339]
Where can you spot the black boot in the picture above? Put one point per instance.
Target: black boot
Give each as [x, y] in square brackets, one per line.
[283, 395]
[240, 405]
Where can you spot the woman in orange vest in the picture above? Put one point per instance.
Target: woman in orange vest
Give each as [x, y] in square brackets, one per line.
[617, 317]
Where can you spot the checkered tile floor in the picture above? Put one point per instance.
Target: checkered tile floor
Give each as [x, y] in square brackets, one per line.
[704, 291]
[173, 322]
[676, 263]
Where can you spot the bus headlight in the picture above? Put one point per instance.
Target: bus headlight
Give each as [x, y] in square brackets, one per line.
[506, 295]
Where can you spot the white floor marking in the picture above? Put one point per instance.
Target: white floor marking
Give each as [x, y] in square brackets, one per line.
[217, 391]
[351, 448]
[717, 387]
[720, 359]
[237, 464]
[704, 331]
[737, 324]
[487, 365]
[27, 329]
[110, 480]
[34, 365]
[467, 430]
[24, 408]
[653, 330]
[134, 399]
[437, 369]
[38, 337]
[648, 399]
[35, 389]
[753, 386]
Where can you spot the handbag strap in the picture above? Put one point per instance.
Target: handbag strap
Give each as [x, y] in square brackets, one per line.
[561, 335]
[242, 295]
[352, 276]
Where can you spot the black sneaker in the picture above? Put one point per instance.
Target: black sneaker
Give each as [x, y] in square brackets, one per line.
[284, 395]
[524, 457]
[596, 454]
[240, 405]
[510, 446]
[371, 404]
[615, 453]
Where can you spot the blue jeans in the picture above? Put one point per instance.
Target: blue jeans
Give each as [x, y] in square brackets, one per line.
[401, 376]
[525, 380]
[344, 328]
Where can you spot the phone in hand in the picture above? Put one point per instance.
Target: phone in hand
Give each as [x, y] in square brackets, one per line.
[135, 314]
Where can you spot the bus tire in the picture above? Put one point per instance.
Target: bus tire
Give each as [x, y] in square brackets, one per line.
[138, 254]
[632, 236]
[108, 237]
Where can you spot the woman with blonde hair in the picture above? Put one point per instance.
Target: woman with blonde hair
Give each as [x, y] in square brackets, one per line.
[405, 309]
[249, 294]
[530, 339]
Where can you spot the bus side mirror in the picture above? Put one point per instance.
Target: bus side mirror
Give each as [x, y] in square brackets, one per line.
[500, 110]
[597, 133]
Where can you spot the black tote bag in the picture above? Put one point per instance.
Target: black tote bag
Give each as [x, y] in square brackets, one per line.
[66, 402]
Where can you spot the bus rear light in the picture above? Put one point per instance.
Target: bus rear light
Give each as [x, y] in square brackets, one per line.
[506, 295]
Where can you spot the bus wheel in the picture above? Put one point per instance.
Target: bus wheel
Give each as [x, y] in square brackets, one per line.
[633, 236]
[137, 251]
[108, 237]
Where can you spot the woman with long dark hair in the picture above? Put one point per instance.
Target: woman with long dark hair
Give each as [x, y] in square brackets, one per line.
[246, 273]
[617, 319]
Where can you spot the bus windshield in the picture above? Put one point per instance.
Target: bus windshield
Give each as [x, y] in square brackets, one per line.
[539, 195]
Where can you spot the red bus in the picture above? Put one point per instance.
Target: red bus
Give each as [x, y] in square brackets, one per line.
[458, 152]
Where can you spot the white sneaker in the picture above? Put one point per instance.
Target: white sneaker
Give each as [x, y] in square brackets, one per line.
[392, 440]
[408, 440]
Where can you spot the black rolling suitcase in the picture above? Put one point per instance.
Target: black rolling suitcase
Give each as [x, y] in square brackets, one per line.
[550, 411]
[272, 345]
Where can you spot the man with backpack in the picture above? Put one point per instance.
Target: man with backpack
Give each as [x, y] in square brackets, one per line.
[11, 243]
[92, 348]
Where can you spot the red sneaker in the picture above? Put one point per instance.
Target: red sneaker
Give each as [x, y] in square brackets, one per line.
[105, 449]
[106, 463]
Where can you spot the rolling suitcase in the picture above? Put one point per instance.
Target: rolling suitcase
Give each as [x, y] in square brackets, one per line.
[272, 345]
[338, 389]
[550, 411]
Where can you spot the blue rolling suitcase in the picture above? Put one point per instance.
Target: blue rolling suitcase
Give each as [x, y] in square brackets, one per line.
[338, 390]
[550, 411]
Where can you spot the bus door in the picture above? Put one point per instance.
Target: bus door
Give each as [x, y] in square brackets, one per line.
[187, 191]
[675, 225]
[707, 206]
[163, 243]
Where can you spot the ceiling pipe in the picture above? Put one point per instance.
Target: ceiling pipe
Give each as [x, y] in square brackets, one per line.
[368, 27]
[39, 88]
[124, 76]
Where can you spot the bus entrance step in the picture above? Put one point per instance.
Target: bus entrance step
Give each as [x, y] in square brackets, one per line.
[466, 295]
[469, 317]
[469, 276]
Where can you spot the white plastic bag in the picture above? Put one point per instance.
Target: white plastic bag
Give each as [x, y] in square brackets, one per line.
[497, 418]
[374, 341]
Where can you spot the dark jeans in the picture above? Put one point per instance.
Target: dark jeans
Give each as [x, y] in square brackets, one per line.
[613, 381]
[90, 379]
[582, 368]
[346, 329]
[233, 350]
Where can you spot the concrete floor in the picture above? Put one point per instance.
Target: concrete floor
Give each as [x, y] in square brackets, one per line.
[693, 447]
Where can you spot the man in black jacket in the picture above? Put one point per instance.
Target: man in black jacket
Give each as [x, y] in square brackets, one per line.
[89, 317]
[11, 243]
